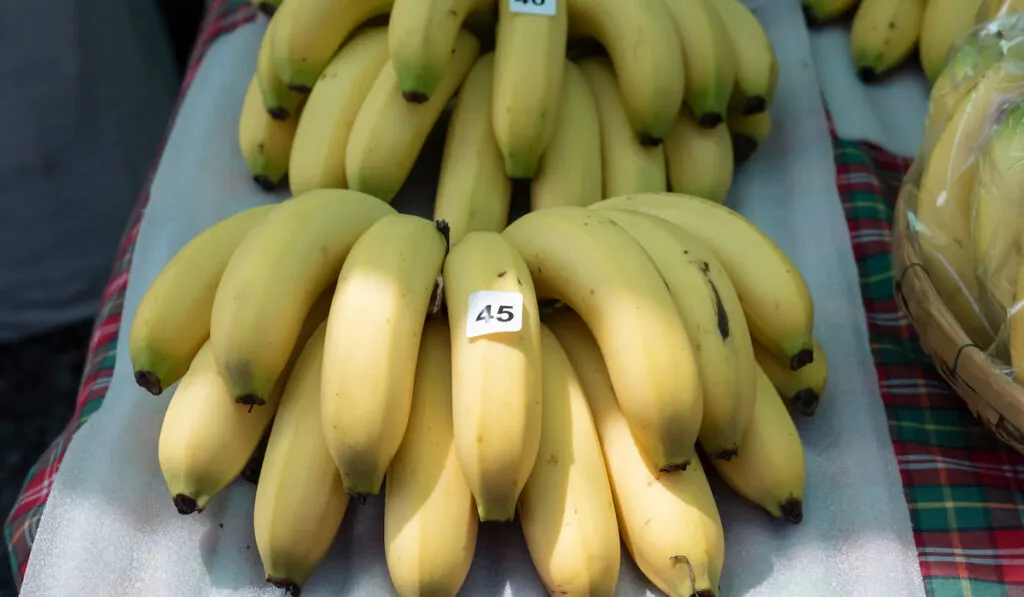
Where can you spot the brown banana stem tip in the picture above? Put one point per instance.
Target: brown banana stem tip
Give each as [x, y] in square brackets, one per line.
[726, 454]
[801, 359]
[671, 468]
[710, 120]
[300, 88]
[264, 182]
[415, 97]
[754, 105]
[290, 587]
[867, 74]
[793, 510]
[185, 504]
[267, 8]
[250, 400]
[704, 593]
[278, 113]
[648, 140]
[743, 146]
[810, 17]
[805, 402]
[148, 381]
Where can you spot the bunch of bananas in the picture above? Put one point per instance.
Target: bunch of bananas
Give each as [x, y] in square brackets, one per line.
[586, 99]
[576, 371]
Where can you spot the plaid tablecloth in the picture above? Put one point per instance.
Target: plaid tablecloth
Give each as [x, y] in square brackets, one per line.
[962, 486]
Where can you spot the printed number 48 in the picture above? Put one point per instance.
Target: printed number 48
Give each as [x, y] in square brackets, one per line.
[505, 313]
[533, 2]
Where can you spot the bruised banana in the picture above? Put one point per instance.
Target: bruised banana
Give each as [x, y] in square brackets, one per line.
[800, 390]
[700, 159]
[265, 142]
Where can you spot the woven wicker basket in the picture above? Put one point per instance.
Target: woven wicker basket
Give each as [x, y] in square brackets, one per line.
[996, 400]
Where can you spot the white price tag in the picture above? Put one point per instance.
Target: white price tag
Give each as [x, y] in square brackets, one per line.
[493, 312]
[533, 7]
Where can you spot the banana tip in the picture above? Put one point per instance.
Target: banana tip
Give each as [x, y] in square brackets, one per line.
[805, 402]
[793, 510]
[754, 105]
[267, 9]
[801, 359]
[710, 120]
[704, 593]
[185, 504]
[867, 74]
[264, 182]
[278, 113]
[299, 88]
[290, 587]
[649, 140]
[743, 146]
[415, 97]
[679, 466]
[250, 400]
[724, 454]
[810, 17]
[148, 381]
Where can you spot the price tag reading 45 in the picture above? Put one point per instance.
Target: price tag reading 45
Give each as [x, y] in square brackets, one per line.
[533, 7]
[494, 312]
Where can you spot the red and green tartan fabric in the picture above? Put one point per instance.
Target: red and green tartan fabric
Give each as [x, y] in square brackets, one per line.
[963, 487]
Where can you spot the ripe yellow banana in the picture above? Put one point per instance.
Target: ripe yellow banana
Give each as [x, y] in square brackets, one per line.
[173, 318]
[775, 297]
[714, 321]
[421, 36]
[473, 192]
[265, 142]
[566, 508]
[628, 166]
[709, 59]
[669, 521]
[279, 101]
[311, 31]
[318, 153]
[1015, 323]
[770, 471]
[883, 35]
[529, 61]
[273, 278]
[496, 378]
[641, 39]
[819, 12]
[757, 69]
[570, 170]
[747, 133]
[700, 159]
[383, 297]
[943, 22]
[943, 206]
[389, 132]
[430, 522]
[300, 500]
[206, 439]
[267, 7]
[582, 258]
[800, 390]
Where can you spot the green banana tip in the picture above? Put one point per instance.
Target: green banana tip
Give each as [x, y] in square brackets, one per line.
[148, 381]
[290, 587]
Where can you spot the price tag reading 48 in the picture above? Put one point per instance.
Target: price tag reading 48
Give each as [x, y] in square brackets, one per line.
[533, 7]
[494, 312]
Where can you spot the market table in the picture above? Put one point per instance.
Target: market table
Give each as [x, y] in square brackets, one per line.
[964, 533]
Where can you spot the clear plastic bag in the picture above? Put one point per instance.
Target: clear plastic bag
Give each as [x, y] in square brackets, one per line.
[993, 9]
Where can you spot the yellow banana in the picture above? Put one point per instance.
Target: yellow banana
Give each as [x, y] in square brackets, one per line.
[265, 142]
[709, 59]
[757, 69]
[668, 519]
[529, 61]
[273, 278]
[430, 522]
[473, 192]
[496, 378]
[172, 320]
[700, 159]
[770, 471]
[267, 7]
[582, 258]
[818, 12]
[642, 41]
[883, 35]
[300, 500]
[570, 170]
[628, 166]
[279, 101]
[389, 132]
[566, 508]
[942, 23]
[775, 297]
[1015, 323]
[800, 390]
[318, 153]
[383, 296]
[747, 133]
[311, 31]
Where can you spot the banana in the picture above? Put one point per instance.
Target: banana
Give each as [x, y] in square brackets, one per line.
[700, 159]
[430, 522]
[300, 500]
[421, 36]
[800, 390]
[265, 142]
[641, 38]
[318, 153]
[942, 23]
[770, 471]
[747, 133]
[883, 35]
[708, 57]
[383, 296]
[943, 202]
[529, 63]
[274, 276]
[711, 312]
[628, 166]
[1015, 323]
[570, 169]
[389, 132]
[267, 7]
[310, 33]
[818, 12]
[496, 378]
[566, 508]
[669, 521]
[994, 9]
[582, 258]
[473, 192]
[279, 101]
[206, 439]
[775, 297]
[757, 68]
[172, 321]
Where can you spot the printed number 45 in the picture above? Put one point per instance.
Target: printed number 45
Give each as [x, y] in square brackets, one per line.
[505, 313]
